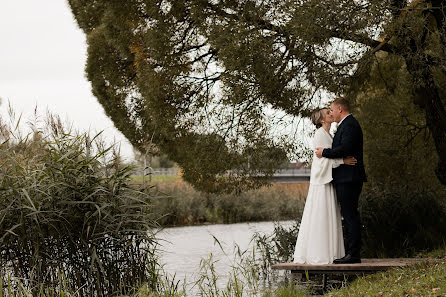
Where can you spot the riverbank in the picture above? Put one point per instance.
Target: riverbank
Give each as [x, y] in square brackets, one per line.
[426, 278]
[176, 203]
[246, 276]
[422, 279]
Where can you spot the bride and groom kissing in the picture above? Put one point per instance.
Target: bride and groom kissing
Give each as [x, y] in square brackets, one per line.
[337, 176]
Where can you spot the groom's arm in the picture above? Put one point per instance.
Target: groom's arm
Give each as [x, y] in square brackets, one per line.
[350, 137]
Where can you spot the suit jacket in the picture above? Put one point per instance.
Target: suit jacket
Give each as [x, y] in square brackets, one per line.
[347, 141]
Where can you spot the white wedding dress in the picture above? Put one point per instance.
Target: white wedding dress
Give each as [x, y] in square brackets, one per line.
[320, 238]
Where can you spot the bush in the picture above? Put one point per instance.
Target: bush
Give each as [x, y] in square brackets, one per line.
[400, 223]
[183, 205]
[65, 211]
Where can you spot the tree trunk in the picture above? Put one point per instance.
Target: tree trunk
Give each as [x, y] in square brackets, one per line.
[436, 122]
[427, 95]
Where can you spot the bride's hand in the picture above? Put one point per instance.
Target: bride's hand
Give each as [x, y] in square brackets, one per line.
[350, 160]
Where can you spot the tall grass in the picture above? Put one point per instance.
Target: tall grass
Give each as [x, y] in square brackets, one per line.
[250, 274]
[66, 209]
[277, 247]
[179, 204]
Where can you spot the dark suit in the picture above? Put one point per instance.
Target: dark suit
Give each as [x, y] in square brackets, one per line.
[348, 141]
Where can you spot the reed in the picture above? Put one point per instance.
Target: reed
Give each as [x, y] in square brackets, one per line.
[177, 203]
[68, 218]
[250, 274]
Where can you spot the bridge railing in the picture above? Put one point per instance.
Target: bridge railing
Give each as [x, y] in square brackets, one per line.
[156, 171]
[294, 172]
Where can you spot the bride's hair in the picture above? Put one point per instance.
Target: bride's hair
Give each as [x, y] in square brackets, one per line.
[317, 116]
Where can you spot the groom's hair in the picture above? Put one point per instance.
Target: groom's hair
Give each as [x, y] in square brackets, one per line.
[344, 103]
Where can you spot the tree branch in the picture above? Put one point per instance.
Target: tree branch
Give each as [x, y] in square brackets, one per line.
[363, 39]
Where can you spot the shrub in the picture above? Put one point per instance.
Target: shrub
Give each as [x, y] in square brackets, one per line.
[183, 205]
[399, 222]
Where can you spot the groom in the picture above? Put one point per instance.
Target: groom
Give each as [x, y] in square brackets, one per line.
[348, 180]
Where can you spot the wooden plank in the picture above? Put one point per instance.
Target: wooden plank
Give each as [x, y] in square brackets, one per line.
[367, 265]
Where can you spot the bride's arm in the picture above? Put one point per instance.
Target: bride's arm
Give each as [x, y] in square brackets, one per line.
[320, 140]
[347, 161]
[336, 162]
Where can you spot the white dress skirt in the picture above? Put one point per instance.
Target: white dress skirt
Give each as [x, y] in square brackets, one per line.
[320, 239]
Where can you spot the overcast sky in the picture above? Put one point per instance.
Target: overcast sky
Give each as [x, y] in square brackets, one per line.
[42, 59]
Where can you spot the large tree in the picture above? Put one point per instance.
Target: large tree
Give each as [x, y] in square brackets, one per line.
[208, 81]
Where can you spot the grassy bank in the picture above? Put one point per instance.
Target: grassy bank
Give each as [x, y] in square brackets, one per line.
[177, 203]
[422, 279]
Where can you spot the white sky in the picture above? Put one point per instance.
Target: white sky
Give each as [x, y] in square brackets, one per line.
[42, 59]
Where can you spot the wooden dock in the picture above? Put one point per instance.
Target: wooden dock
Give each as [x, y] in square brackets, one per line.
[366, 266]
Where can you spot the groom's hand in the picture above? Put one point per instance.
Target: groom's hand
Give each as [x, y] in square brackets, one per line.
[318, 152]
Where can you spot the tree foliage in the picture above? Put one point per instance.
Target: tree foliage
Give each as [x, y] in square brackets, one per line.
[398, 145]
[210, 81]
[403, 204]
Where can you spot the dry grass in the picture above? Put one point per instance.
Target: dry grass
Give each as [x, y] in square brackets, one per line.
[295, 190]
[181, 204]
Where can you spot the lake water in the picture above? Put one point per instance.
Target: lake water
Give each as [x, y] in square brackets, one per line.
[184, 247]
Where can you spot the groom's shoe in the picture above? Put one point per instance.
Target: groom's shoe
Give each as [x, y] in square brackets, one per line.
[347, 259]
[339, 261]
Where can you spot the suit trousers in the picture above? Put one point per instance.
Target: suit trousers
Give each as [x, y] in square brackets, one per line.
[348, 197]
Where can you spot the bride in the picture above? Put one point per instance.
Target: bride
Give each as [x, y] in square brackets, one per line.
[320, 238]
